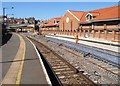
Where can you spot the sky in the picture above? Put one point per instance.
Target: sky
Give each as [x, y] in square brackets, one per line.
[47, 10]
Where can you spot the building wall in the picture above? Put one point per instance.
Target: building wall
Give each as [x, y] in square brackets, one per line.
[48, 30]
[117, 35]
[73, 24]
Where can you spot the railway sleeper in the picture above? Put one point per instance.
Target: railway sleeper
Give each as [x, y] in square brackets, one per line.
[64, 72]
[70, 80]
[55, 65]
[60, 67]
[55, 60]
[60, 63]
[65, 69]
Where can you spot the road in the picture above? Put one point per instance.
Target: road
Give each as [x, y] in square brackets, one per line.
[21, 63]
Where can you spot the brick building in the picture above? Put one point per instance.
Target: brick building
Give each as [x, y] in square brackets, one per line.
[101, 24]
[70, 21]
[52, 25]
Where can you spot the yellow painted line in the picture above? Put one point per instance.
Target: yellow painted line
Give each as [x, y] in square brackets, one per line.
[21, 67]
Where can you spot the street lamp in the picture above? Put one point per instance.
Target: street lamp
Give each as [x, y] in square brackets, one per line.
[4, 13]
[4, 20]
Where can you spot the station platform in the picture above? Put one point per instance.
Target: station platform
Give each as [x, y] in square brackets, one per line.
[98, 43]
[108, 51]
[21, 63]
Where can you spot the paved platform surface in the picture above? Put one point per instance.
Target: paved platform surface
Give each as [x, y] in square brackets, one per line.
[32, 70]
[26, 65]
[97, 45]
[9, 51]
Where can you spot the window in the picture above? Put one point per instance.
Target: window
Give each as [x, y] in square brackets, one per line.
[56, 22]
[89, 17]
[109, 31]
[67, 19]
[119, 26]
[86, 34]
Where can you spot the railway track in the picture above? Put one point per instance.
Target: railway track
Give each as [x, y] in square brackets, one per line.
[109, 72]
[65, 72]
[95, 63]
[103, 67]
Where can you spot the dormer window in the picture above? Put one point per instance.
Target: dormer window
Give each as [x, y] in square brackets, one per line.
[89, 17]
[55, 22]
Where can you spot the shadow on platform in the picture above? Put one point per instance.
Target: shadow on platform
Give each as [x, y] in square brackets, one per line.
[5, 38]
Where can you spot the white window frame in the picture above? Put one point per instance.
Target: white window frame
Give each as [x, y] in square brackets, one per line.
[89, 14]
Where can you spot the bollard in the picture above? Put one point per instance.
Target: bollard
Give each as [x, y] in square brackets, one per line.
[76, 39]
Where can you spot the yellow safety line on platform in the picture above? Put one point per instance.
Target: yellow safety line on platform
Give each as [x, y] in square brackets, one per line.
[21, 66]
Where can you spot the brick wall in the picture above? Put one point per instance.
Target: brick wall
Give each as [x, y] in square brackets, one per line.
[73, 24]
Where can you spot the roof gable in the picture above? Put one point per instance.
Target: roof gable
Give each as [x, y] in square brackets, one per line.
[76, 14]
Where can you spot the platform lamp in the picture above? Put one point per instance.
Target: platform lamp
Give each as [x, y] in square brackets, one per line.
[4, 13]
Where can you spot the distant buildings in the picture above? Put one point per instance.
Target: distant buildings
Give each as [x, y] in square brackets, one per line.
[21, 20]
[51, 25]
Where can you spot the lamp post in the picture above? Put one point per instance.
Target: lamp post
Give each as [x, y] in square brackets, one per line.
[4, 16]
[4, 12]
[4, 20]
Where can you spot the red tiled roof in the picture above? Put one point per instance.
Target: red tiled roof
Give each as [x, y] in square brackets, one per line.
[51, 21]
[78, 14]
[95, 13]
[111, 12]
[103, 13]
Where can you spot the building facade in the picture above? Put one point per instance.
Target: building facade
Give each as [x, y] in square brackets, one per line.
[50, 27]
[70, 21]
[101, 24]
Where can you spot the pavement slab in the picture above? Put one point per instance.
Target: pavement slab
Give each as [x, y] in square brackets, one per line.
[9, 51]
[12, 73]
[32, 72]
